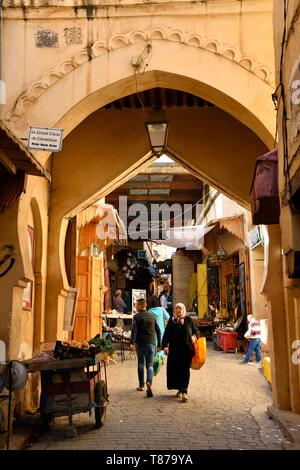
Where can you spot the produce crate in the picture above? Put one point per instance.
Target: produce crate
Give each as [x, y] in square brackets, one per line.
[62, 351]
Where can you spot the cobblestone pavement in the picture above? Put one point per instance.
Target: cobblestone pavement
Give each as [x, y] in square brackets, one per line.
[226, 410]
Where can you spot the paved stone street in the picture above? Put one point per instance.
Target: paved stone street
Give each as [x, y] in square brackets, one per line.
[226, 410]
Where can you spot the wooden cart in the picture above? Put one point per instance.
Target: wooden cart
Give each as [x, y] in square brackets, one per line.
[72, 386]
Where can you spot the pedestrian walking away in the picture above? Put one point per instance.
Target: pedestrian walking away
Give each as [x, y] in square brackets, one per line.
[253, 333]
[178, 344]
[161, 316]
[144, 330]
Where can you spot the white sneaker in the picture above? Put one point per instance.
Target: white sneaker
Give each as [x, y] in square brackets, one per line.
[178, 395]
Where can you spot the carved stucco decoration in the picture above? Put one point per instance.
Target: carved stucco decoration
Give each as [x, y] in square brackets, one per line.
[122, 40]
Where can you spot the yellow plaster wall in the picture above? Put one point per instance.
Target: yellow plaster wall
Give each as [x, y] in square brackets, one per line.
[13, 283]
[17, 325]
[289, 220]
[64, 84]
[256, 274]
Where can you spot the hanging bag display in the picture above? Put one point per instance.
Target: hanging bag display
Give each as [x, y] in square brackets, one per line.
[200, 354]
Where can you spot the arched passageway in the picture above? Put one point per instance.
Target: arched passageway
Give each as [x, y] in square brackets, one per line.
[72, 82]
[109, 146]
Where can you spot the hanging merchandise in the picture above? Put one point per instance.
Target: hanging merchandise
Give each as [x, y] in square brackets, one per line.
[130, 266]
[265, 204]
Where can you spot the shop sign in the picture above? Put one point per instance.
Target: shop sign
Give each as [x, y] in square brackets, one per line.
[135, 295]
[255, 237]
[45, 139]
[70, 308]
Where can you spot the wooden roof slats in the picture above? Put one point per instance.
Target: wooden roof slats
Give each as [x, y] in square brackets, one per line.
[159, 97]
[11, 186]
[14, 149]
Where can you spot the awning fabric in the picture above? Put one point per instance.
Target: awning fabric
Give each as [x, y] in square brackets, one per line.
[189, 237]
[100, 224]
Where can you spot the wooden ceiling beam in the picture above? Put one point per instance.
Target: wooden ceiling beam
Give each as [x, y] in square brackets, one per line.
[7, 163]
[172, 185]
[173, 197]
[166, 170]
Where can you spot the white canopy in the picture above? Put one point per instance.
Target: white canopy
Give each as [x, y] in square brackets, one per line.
[190, 237]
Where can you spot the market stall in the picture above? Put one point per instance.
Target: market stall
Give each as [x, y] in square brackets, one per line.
[227, 340]
[120, 337]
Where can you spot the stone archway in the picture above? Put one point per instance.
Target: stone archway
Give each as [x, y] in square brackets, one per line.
[69, 91]
[110, 147]
[68, 95]
[232, 80]
[206, 48]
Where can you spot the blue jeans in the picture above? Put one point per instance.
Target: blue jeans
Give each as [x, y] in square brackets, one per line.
[145, 352]
[253, 346]
[107, 334]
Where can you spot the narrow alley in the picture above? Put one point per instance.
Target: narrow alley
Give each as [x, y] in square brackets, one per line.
[226, 411]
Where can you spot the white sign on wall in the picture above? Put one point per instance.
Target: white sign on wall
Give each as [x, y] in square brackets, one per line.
[41, 138]
[70, 308]
[136, 295]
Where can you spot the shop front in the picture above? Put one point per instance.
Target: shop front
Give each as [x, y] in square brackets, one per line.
[228, 288]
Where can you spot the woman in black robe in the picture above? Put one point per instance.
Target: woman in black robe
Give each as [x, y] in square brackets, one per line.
[178, 339]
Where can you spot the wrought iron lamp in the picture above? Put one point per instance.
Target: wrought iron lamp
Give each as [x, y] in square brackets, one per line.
[212, 259]
[157, 126]
[222, 253]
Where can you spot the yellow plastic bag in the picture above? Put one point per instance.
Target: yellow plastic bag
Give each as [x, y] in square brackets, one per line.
[200, 354]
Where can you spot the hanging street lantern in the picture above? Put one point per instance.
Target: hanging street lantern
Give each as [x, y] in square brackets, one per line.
[222, 253]
[157, 126]
[212, 259]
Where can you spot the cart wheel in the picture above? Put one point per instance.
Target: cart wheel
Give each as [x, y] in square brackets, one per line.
[100, 398]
